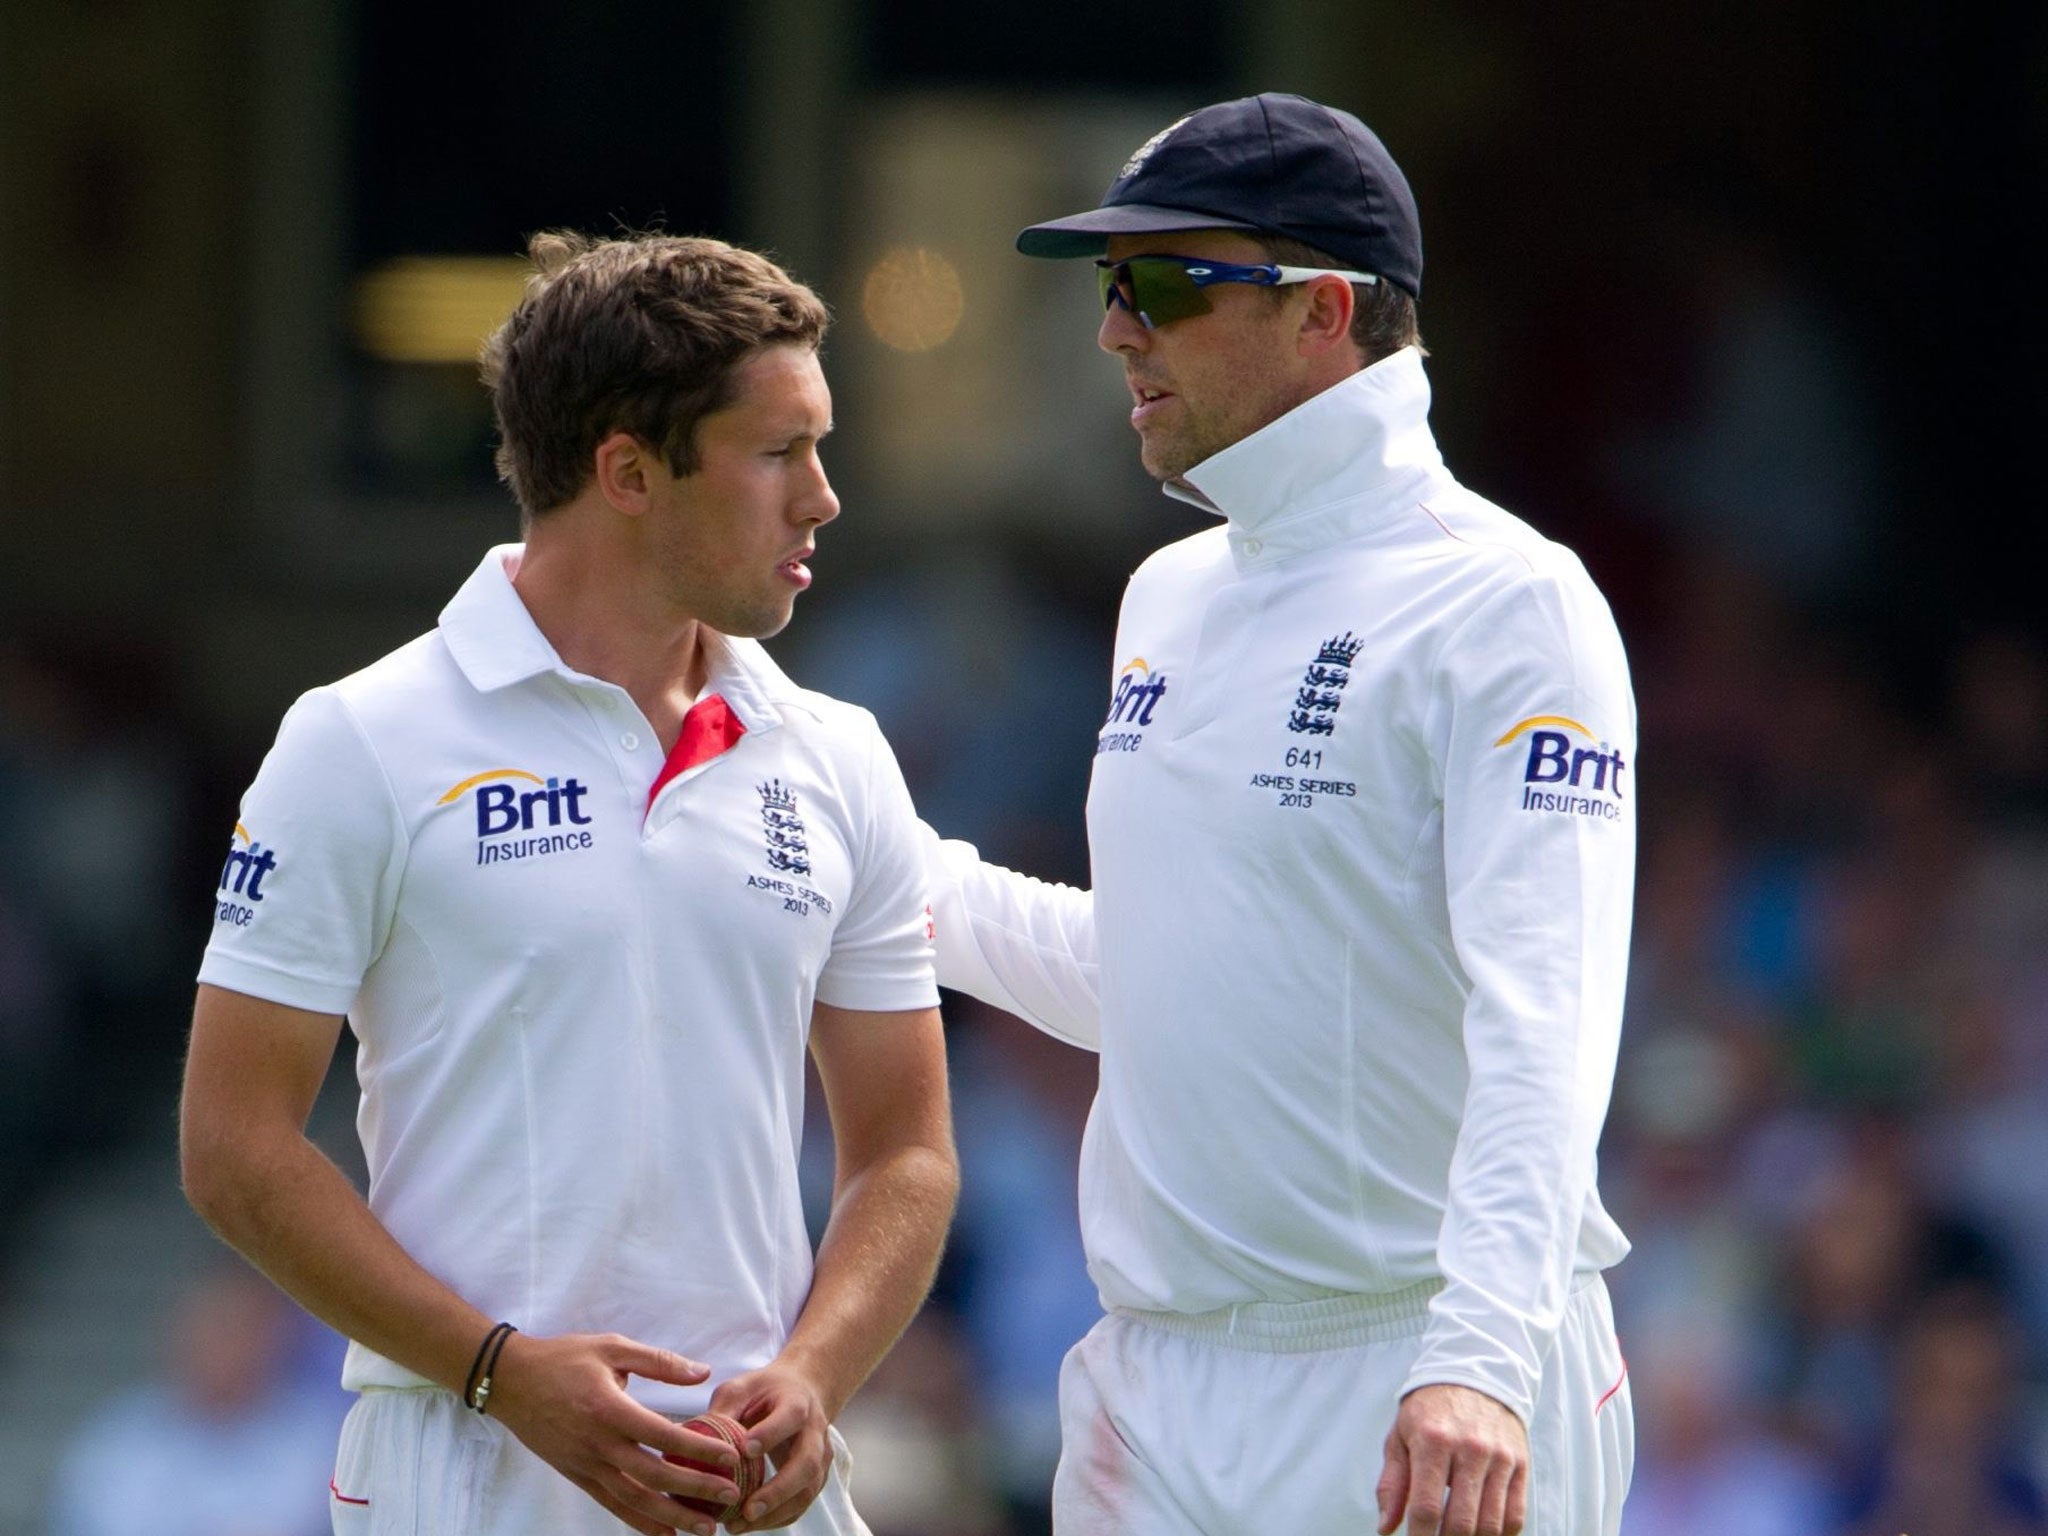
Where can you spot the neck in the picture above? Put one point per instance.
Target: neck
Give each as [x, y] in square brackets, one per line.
[1323, 373]
[607, 615]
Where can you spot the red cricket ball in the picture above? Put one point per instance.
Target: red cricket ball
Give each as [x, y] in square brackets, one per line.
[747, 1478]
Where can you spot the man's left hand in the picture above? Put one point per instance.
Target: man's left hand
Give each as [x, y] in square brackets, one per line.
[1457, 1465]
[784, 1412]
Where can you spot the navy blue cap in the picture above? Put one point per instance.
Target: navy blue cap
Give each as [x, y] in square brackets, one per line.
[1271, 162]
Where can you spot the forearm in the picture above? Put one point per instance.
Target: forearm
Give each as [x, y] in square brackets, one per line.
[295, 1216]
[1024, 945]
[1518, 1190]
[874, 1267]
[1542, 1030]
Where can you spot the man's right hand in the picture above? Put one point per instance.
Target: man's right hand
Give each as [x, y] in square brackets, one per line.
[1457, 1464]
[565, 1399]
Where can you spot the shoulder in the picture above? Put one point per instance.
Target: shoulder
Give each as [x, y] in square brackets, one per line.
[843, 735]
[1489, 539]
[836, 724]
[847, 760]
[1501, 559]
[815, 714]
[411, 686]
[350, 748]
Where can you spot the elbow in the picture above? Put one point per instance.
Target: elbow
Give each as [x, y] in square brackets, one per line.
[213, 1171]
[933, 1173]
[203, 1178]
[937, 1170]
[921, 1175]
[937, 1199]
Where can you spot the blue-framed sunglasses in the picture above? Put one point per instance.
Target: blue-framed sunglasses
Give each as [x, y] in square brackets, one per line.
[1161, 288]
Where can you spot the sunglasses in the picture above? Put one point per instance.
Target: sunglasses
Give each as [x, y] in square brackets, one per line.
[1161, 288]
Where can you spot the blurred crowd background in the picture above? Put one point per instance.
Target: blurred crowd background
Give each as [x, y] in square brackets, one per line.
[1741, 300]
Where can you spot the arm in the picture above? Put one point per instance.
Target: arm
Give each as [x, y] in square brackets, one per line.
[1023, 945]
[896, 1177]
[250, 1171]
[1533, 700]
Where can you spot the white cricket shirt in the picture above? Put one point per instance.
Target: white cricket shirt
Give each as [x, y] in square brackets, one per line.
[1362, 828]
[582, 1017]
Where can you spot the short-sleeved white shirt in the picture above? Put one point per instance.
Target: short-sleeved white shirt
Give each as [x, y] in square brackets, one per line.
[581, 1016]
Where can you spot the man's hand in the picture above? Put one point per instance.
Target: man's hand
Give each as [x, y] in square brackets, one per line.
[1457, 1465]
[565, 1399]
[785, 1415]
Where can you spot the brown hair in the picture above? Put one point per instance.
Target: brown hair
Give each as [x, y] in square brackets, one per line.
[1383, 319]
[641, 334]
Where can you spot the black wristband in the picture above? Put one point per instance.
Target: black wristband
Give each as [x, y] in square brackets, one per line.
[476, 1387]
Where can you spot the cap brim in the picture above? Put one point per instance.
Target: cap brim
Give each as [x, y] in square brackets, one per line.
[1087, 234]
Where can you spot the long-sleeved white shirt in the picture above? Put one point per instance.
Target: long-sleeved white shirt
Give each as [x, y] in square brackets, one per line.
[1362, 828]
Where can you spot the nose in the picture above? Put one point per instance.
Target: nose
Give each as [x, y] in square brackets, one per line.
[819, 503]
[1122, 331]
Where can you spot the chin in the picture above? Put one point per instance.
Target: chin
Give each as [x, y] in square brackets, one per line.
[1167, 458]
[1166, 467]
[758, 623]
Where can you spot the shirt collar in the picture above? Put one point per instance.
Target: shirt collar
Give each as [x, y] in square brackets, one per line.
[489, 632]
[752, 685]
[1299, 480]
[496, 643]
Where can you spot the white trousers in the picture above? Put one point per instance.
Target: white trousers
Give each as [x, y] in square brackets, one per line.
[1273, 1420]
[417, 1463]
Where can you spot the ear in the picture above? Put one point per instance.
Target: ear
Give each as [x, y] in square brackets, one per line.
[626, 471]
[1326, 320]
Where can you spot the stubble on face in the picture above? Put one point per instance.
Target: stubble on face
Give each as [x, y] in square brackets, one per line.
[1219, 402]
[735, 525]
[1229, 372]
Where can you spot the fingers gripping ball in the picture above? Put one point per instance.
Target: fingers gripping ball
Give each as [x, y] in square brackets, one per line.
[749, 1475]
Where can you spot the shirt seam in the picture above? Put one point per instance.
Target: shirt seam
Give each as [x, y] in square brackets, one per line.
[1451, 533]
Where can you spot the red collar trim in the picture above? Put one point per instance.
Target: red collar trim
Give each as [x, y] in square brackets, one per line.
[709, 729]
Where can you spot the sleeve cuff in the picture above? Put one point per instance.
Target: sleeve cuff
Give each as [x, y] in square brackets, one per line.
[236, 973]
[879, 994]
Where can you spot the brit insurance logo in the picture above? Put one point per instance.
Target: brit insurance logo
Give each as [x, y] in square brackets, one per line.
[1562, 777]
[241, 879]
[1138, 692]
[1321, 693]
[520, 815]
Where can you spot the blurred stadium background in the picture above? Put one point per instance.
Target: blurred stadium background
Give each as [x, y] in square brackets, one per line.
[1742, 300]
